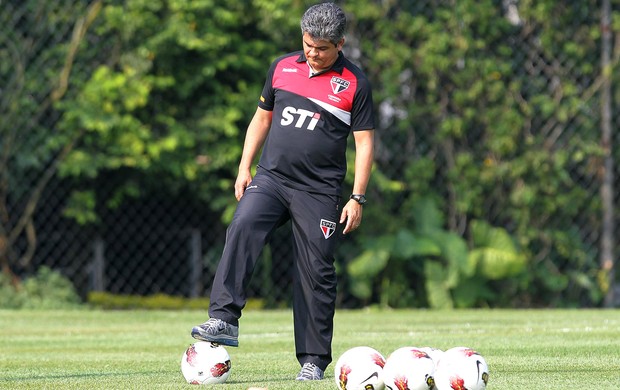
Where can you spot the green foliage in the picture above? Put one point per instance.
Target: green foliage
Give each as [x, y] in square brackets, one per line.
[81, 207]
[472, 126]
[488, 141]
[364, 268]
[495, 254]
[107, 301]
[9, 297]
[454, 275]
[47, 289]
[173, 99]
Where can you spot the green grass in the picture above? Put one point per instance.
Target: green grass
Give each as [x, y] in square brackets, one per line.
[525, 349]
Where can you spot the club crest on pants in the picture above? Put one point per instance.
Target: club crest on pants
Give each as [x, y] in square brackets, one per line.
[328, 228]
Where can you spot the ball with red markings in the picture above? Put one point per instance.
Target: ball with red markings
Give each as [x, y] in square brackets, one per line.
[461, 368]
[205, 363]
[409, 368]
[359, 368]
[434, 353]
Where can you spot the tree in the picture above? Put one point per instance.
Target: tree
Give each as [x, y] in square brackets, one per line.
[159, 91]
[479, 107]
[488, 131]
[29, 148]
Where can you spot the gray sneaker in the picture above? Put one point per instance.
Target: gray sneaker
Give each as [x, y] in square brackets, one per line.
[217, 331]
[310, 372]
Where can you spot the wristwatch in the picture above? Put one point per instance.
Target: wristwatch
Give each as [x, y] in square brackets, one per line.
[359, 198]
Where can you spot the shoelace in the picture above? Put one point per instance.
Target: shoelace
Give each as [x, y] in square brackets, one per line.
[213, 325]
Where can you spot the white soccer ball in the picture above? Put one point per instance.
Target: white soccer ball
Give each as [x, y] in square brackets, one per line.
[434, 353]
[359, 368]
[205, 363]
[461, 368]
[409, 368]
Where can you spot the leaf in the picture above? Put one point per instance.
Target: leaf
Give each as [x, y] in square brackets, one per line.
[368, 264]
[495, 254]
[436, 287]
[497, 264]
[81, 207]
[471, 291]
[408, 245]
[361, 288]
[485, 235]
[363, 269]
[427, 215]
[454, 251]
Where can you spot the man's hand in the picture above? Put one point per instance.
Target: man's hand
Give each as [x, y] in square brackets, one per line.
[352, 214]
[244, 178]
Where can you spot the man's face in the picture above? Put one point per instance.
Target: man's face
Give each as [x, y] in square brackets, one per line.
[320, 53]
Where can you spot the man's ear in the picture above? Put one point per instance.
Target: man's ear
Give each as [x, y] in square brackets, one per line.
[340, 44]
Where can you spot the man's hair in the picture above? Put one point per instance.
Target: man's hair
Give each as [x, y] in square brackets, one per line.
[324, 21]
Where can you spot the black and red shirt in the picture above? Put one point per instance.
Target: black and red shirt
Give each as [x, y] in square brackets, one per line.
[312, 119]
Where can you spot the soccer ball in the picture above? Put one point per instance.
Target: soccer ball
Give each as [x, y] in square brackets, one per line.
[205, 363]
[359, 368]
[461, 368]
[434, 353]
[409, 368]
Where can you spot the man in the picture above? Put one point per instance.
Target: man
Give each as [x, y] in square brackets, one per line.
[312, 100]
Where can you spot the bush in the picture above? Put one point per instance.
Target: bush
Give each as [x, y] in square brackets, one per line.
[108, 301]
[47, 289]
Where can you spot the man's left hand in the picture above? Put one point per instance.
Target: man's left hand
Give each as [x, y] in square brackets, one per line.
[352, 214]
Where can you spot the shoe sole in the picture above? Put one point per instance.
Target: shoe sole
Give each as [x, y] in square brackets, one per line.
[222, 339]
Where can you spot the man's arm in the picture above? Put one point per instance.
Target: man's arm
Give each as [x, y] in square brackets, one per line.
[364, 152]
[254, 140]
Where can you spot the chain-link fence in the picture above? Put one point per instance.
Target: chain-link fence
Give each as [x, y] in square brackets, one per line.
[171, 244]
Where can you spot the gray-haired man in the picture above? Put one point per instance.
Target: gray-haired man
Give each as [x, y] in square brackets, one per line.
[312, 100]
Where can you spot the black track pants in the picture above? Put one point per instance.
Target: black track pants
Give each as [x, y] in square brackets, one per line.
[265, 205]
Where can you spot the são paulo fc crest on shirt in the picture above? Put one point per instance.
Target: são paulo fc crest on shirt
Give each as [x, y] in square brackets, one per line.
[328, 228]
[339, 84]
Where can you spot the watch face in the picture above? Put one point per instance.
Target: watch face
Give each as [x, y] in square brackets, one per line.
[361, 199]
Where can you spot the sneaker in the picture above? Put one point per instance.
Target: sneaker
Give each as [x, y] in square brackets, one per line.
[310, 372]
[217, 331]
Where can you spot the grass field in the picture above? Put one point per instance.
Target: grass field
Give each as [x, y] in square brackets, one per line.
[525, 349]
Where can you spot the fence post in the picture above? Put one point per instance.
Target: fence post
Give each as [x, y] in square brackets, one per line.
[195, 264]
[607, 194]
[97, 267]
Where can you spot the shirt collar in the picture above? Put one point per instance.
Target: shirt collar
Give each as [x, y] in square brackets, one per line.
[337, 66]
